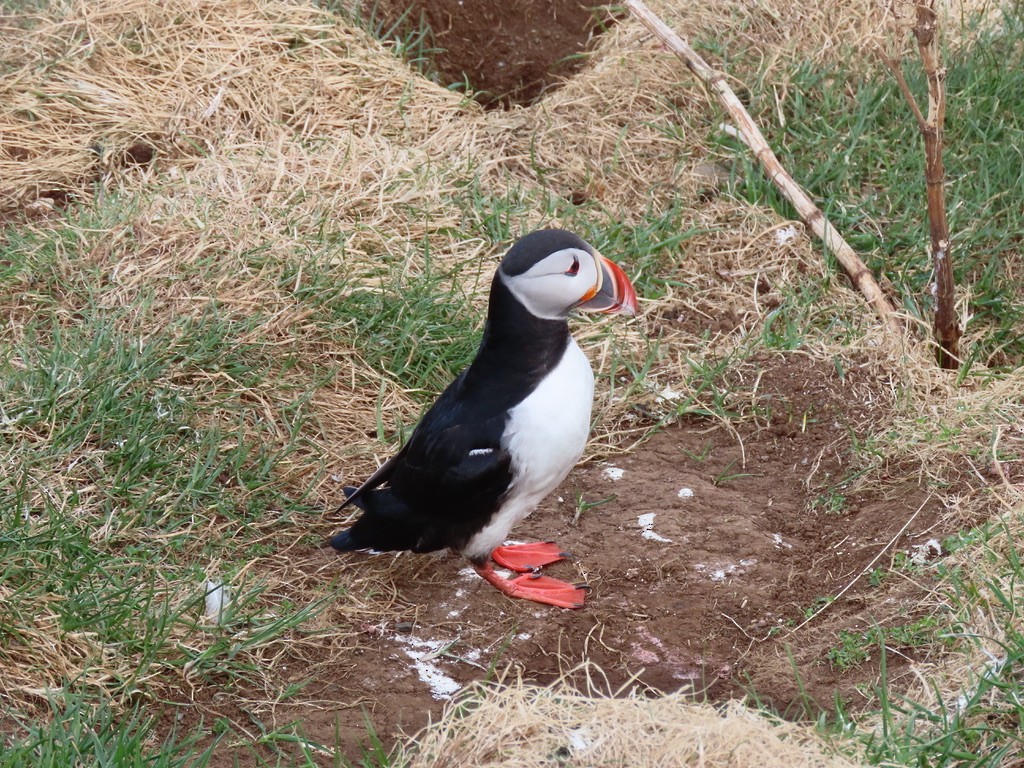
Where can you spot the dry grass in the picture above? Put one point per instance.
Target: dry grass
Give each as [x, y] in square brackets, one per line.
[524, 725]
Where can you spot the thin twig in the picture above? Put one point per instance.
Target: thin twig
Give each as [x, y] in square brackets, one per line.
[897, 72]
[866, 569]
[751, 135]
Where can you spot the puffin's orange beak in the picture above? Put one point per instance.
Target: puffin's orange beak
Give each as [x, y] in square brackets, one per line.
[613, 293]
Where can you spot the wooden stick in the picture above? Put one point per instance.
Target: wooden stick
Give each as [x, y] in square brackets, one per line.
[946, 327]
[753, 138]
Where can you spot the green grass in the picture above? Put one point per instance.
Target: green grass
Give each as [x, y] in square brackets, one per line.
[977, 729]
[977, 726]
[851, 141]
[830, 502]
[420, 329]
[132, 475]
[855, 648]
[81, 732]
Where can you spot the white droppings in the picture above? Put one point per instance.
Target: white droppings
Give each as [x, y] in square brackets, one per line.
[580, 740]
[784, 235]
[468, 574]
[523, 636]
[685, 493]
[652, 536]
[779, 543]
[719, 572]
[668, 394]
[612, 472]
[218, 600]
[423, 653]
[646, 523]
[993, 670]
[922, 553]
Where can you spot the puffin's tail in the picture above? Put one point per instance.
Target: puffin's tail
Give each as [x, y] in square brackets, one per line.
[352, 498]
[343, 542]
[387, 525]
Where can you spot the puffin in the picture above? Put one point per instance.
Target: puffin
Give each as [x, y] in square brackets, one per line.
[506, 431]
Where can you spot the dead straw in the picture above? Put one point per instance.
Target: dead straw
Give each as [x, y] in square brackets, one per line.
[751, 135]
[524, 725]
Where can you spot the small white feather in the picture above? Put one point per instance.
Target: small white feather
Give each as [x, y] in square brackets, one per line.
[218, 600]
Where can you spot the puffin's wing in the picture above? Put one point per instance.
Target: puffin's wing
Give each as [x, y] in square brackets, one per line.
[380, 476]
[443, 482]
[455, 467]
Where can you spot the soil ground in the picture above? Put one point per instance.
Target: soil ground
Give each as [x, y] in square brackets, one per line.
[510, 53]
[708, 548]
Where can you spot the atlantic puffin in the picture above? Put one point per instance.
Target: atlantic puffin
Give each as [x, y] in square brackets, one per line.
[506, 431]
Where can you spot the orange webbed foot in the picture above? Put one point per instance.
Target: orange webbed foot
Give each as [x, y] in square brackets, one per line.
[526, 558]
[539, 589]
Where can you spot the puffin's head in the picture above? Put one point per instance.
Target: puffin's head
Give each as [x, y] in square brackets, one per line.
[553, 272]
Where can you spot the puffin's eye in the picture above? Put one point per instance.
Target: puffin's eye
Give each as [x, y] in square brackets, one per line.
[571, 271]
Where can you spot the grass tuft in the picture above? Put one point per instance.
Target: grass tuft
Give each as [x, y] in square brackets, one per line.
[850, 140]
[79, 732]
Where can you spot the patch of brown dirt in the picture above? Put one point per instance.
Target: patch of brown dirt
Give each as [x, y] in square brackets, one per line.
[705, 549]
[511, 53]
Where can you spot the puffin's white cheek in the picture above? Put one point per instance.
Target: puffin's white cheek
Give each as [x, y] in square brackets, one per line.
[555, 295]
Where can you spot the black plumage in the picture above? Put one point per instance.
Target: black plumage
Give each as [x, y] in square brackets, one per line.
[449, 478]
[506, 431]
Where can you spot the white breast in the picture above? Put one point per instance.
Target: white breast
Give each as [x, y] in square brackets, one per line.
[545, 436]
